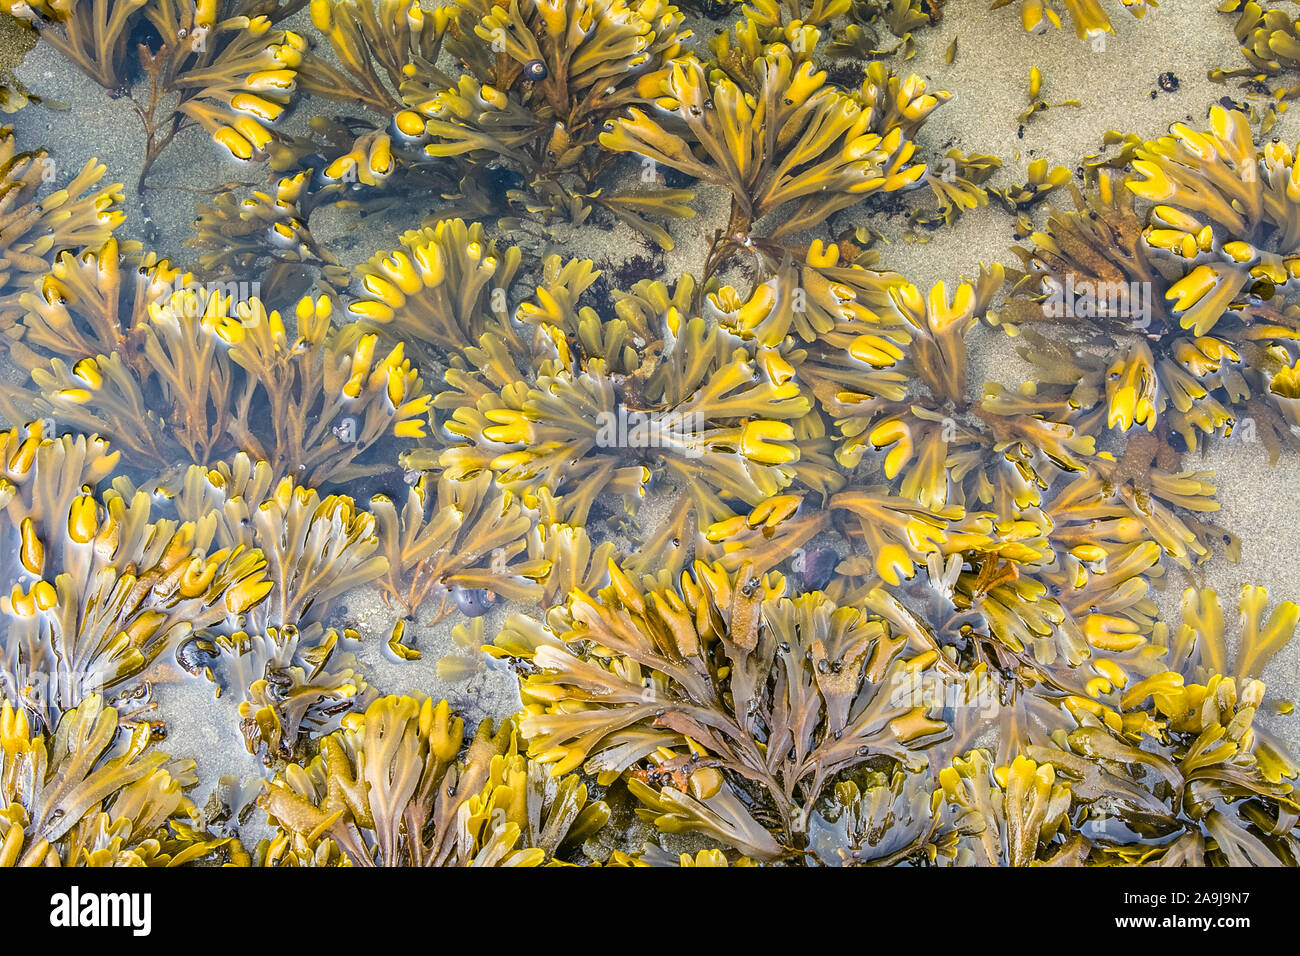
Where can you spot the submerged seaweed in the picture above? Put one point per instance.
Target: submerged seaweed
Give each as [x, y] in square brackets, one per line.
[217, 64]
[164, 364]
[780, 580]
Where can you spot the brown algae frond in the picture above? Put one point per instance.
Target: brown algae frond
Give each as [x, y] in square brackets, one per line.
[456, 535]
[102, 586]
[446, 287]
[684, 394]
[92, 35]
[265, 234]
[513, 131]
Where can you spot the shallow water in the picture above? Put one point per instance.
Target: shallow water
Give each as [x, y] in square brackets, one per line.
[1117, 87]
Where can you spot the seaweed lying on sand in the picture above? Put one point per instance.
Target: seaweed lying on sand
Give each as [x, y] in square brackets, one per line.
[776, 576]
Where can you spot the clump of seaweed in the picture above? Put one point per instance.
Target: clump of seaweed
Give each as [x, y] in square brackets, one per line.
[941, 446]
[13, 95]
[167, 367]
[446, 287]
[1197, 294]
[231, 75]
[854, 26]
[897, 102]
[1007, 816]
[292, 683]
[216, 64]
[480, 546]
[35, 231]
[991, 499]
[549, 96]
[768, 696]
[374, 154]
[541, 80]
[1031, 600]
[879, 819]
[1042, 182]
[93, 35]
[1139, 497]
[889, 536]
[101, 587]
[90, 795]
[378, 46]
[1198, 650]
[282, 660]
[1173, 777]
[572, 561]
[514, 132]
[608, 406]
[456, 536]
[861, 38]
[317, 546]
[795, 143]
[957, 181]
[265, 234]
[1170, 771]
[395, 788]
[1269, 36]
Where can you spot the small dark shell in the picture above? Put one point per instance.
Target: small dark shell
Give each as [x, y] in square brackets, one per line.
[817, 569]
[195, 654]
[535, 70]
[472, 602]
